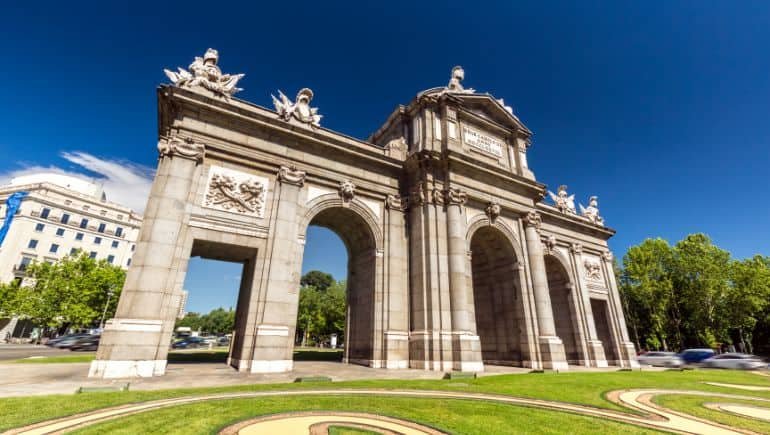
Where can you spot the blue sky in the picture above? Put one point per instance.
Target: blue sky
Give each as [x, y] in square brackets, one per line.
[659, 108]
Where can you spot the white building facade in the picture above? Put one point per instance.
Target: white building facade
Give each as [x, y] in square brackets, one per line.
[59, 216]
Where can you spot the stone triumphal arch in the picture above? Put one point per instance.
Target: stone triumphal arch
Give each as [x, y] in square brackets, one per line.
[454, 260]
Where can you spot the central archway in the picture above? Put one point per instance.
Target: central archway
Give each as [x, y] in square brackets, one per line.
[361, 245]
[496, 297]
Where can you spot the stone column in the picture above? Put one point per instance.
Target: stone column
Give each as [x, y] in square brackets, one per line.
[396, 335]
[466, 346]
[595, 348]
[134, 343]
[627, 352]
[274, 340]
[551, 346]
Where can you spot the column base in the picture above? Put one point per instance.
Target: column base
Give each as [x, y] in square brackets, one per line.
[596, 352]
[272, 366]
[396, 350]
[110, 369]
[466, 353]
[552, 352]
[629, 355]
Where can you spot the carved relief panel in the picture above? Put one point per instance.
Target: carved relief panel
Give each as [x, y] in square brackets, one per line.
[235, 192]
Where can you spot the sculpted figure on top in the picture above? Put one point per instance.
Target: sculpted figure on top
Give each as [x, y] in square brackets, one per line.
[563, 201]
[300, 109]
[592, 211]
[455, 85]
[205, 72]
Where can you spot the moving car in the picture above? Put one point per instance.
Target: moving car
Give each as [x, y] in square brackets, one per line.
[741, 361]
[695, 356]
[190, 343]
[660, 359]
[65, 341]
[90, 342]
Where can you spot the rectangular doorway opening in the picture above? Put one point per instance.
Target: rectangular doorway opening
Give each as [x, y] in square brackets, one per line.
[601, 320]
[217, 290]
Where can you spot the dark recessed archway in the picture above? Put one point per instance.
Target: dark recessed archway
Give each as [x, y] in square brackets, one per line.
[563, 306]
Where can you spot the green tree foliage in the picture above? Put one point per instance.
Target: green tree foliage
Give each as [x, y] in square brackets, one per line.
[71, 292]
[693, 294]
[321, 310]
[317, 279]
[217, 321]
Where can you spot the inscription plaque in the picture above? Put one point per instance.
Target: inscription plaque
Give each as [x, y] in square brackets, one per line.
[482, 141]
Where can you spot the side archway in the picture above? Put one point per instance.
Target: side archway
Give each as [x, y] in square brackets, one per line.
[564, 305]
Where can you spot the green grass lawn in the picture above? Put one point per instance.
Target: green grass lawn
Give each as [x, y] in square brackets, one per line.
[452, 416]
[586, 388]
[191, 356]
[693, 405]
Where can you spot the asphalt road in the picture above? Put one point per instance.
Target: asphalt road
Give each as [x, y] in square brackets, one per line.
[18, 351]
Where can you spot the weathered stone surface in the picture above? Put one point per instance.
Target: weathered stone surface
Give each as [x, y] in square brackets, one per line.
[442, 219]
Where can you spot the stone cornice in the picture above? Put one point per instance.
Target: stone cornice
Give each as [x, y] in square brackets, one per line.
[573, 222]
[173, 99]
[503, 177]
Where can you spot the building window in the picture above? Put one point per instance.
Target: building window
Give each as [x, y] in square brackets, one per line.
[79, 236]
[102, 227]
[118, 232]
[65, 218]
[54, 248]
[32, 244]
[39, 228]
[25, 262]
[44, 214]
[114, 243]
[84, 223]
[60, 232]
[97, 240]
[128, 263]
[133, 247]
[110, 259]
[92, 254]
[74, 251]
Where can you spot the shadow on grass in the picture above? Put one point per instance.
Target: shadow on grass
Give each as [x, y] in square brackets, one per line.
[220, 356]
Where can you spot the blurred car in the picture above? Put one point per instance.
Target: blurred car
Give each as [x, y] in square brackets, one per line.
[86, 343]
[660, 359]
[695, 356]
[223, 341]
[741, 361]
[65, 341]
[190, 343]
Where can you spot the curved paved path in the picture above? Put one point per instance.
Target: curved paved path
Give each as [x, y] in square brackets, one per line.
[656, 417]
[319, 422]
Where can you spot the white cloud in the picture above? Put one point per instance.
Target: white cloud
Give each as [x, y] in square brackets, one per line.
[125, 183]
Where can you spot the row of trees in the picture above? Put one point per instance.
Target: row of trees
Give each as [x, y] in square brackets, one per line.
[694, 294]
[75, 292]
[321, 310]
[218, 321]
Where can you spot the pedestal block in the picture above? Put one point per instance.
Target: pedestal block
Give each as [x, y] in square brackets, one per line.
[466, 353]
[596, 353]
[552, 351]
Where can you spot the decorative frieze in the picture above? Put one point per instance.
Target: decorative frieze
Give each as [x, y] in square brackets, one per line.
[291, 175]
[185, 148]
[533, 219]
[235, 192]
[395, 202]
[492, 211]
[456, 196]
[347, 190]
[593, 270]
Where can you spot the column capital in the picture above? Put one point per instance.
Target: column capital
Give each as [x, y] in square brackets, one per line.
[185, 148]
[533, 220]
[576, 248]
[291, 175]
[455, 196]
[607, 256]
[395, 202]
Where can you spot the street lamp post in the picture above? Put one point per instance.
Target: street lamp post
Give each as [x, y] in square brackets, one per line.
[106, 304]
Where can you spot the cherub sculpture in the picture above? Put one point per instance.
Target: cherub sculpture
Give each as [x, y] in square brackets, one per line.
[564, 202]
[205, 72]
[455, 85]
[592, 211]
[300, 109]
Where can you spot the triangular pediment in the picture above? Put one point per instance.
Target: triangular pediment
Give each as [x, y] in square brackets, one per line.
[491, 109]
